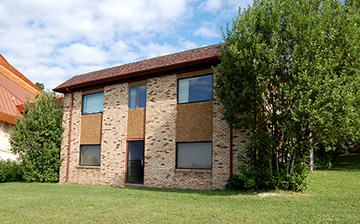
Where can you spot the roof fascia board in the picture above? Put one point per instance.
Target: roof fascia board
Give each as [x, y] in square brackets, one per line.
[16, 74]
[7, 118]
[18, 80]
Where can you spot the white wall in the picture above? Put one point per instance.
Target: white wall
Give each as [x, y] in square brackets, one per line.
[5, 152]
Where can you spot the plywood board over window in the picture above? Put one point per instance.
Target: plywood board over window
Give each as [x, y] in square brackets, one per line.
[194, 121]
[136, 124]
[91, 129]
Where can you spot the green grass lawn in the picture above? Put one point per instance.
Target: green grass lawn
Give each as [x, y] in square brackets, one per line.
[333, 197]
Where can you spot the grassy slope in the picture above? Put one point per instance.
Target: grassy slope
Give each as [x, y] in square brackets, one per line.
[333, 197]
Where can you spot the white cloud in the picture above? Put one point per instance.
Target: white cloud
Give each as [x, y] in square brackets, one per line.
[211, 6]
[50, 41]
[223, 8]
[153, 49]
[53, 75]
[79, 54]
[121, 51]
[208, 30]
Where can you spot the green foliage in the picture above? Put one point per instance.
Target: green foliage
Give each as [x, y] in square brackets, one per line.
[10, 171]
[323, 159]
[235, 182]
[36, 138]
[289, 73]
[40, 85]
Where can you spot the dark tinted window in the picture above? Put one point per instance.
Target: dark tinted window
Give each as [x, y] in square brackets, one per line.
[90, 155]
[194, 155]
[142, 96]
[195, 89]
[132, 97]
[137, 97]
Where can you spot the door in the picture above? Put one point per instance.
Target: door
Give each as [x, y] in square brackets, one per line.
[135, 163]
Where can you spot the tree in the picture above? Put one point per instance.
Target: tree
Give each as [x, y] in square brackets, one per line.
[40, 85]
[36, 138]
[289, 73]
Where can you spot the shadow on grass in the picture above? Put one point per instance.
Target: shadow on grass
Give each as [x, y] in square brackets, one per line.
[347, 162]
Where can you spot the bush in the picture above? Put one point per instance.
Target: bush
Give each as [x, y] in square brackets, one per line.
[253, 179]
[10, 171]
[235, 182]
[36, 138]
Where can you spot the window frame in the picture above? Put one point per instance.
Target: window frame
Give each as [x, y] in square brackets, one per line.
[80, 164]
[177, 155]
[212, 88]
[83, 103]
[137, 96]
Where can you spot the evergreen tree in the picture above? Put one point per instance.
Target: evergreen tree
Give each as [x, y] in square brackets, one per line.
[36, 138]
[289, 73]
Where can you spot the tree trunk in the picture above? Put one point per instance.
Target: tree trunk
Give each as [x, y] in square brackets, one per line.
[311, 159]
[311, 154]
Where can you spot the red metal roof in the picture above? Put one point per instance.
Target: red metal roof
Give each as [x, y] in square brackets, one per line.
[15, 89]
[147, 67]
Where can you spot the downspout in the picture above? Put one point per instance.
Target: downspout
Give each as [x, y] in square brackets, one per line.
[71, 115]
[231, 148]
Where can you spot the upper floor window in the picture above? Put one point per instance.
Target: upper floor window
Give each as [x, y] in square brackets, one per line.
[137, 97]
[195, 89]
[93, 103]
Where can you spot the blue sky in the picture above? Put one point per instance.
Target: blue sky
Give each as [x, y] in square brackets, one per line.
[51, 41]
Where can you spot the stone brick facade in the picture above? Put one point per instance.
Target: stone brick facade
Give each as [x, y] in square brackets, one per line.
[159, 141]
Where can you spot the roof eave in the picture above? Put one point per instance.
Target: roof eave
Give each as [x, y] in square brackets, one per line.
[64, 89]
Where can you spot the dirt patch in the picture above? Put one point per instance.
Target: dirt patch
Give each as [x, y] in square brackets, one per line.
[263, 195]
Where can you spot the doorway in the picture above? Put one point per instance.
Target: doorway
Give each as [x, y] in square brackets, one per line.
[135, 162]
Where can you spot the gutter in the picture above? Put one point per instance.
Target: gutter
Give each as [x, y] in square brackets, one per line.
[69, 150]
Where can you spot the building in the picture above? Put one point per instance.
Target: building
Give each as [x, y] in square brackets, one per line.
[15, 89]
[150, 123]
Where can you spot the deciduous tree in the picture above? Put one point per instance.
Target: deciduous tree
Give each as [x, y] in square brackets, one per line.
[289, 73]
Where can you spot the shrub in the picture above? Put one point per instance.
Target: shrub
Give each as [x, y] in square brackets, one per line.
[36, 138]
[10, 171]
[235, 182]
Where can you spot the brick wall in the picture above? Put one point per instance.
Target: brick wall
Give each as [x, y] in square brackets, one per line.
[160, 141]
[240, 142]
[74, 175]
[160, 131]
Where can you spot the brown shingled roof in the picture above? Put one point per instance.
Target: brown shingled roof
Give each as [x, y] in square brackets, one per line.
[147, 67]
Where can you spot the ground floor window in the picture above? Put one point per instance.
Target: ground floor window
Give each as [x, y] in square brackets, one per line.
[193, 155]
[90, 155]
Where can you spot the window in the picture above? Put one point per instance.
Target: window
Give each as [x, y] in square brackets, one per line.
[90, 155]
[195, 89]
[93, 103]
[137, 97]
[193, 155]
